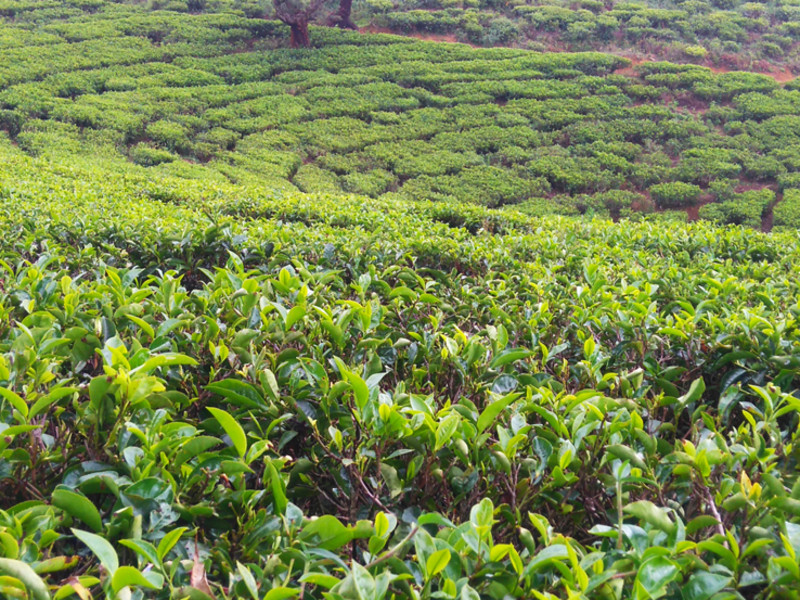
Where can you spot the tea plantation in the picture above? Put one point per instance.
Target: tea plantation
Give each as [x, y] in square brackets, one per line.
[218, 96]
[727, 33]
[327, 324]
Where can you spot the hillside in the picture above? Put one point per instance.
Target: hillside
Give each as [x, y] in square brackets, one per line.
[733, 34]
[215, 96]
[388, 319]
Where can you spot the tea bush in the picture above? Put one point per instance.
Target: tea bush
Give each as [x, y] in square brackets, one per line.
[675, 194]
[211, 390]
[787, 212]
[746, 208]
[741, 33]
[213, 385]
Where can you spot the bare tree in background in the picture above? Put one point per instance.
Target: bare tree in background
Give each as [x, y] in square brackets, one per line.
[297, 14]
[341, 18]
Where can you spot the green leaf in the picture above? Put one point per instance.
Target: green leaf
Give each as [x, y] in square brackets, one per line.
[15, 401]
[437, 562]
[363, 582]
[320, 579]
[294, 315]
[281, 593]
[490, 413]
[278, 489]
[45, 401]
[129, 577]
[248, 579]
[391, 479]
[381, 524]
[98, 388]
[699, 523]
[24, 573]
[239, 393]
[695, 392]
[54, 564]
[360, 389]
[143, 325]
[78, 506]
[509, 356]
[655, 574]
[193, 448]
[144, 549]
[68, 590]
[330, 531]
[482, 514]
[232, 428]
[648, 512]
[272, 384]
[168, 541]
[625, 453]
[101, 548]
[164, 360]
[789, 505]
[447, 427]
[703, 585]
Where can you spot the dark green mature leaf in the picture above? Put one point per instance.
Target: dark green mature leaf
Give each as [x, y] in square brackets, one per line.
[703, 585]
[79, 506]
[650, 513]
[328, 531]
[239, 393]
[654, 574]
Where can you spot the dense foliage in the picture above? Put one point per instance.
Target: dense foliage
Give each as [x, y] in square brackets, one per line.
[217, 95]
[727, 33]
[213, 385]
[217, 391]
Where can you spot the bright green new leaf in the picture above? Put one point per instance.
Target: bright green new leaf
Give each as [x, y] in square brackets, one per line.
[24, 573]
[278, 489]
[281, 593]
[232, 428]
[15, 401]
[329, 531]
[101, 548]
[168, 541]
[437, 562]
[493, 409]
[129, 577]
[695, 392]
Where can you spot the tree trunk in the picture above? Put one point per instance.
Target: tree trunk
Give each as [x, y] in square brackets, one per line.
[300, 34]
[341, 18]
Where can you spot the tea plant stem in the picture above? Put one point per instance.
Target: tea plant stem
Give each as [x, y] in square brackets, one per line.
[394, 550]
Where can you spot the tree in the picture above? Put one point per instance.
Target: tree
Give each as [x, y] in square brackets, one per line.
[341, 18]
[297, 14]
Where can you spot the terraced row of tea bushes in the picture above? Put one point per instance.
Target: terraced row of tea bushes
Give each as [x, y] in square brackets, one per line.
[217, 391]
[727, 32]
[389, 117]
